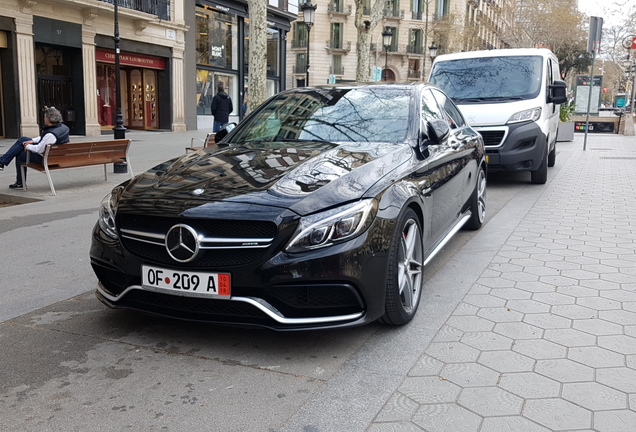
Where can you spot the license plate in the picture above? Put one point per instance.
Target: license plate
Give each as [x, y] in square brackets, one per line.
[186, 283]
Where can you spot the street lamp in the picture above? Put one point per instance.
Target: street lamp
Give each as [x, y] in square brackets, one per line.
[387, 37]
[432, 51]
[119, 129]
[308, 17]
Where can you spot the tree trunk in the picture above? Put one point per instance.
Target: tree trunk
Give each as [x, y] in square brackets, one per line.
[257, 84]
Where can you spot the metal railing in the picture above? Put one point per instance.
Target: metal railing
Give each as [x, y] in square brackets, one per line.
[160, 8]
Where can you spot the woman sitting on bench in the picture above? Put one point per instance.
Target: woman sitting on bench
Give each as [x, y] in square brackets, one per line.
[53, 132]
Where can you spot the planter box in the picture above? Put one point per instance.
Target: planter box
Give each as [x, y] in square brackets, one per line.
[565, 131]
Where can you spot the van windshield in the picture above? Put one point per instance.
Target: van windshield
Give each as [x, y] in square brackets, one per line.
[489, 78]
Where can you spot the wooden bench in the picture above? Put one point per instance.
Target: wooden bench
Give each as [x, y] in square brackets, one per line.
[79, 154]
[207, 141]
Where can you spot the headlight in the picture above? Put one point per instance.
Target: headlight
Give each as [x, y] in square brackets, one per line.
[527, 115]
[332, 226]
[107, 214]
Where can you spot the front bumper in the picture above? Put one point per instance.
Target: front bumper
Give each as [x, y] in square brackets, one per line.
[337, 286]
[516, 147]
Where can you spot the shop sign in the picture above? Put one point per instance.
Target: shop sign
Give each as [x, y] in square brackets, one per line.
[130, 59]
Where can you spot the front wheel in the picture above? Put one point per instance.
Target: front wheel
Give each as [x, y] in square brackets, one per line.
[478, 202]
[540, 176]
[404, 276]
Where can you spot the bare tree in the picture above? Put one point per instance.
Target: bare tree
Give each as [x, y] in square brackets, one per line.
[257, 56]
[365, 31]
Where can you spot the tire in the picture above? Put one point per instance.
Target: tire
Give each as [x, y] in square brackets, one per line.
[404, 275]
[478, 203]
[552, 156]
[540, 176]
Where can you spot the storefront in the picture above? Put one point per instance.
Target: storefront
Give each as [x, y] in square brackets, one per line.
[222, 47]
[139, 89]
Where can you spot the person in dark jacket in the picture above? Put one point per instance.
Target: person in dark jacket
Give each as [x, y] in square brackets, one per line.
[53, 132]
[221, 108]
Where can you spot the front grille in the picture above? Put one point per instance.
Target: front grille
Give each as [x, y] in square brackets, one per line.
[207, 258]
[317, 296]
[208, 227]
[492, 138]
[153, 249]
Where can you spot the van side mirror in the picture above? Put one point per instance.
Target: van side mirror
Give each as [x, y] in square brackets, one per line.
[557, 93]
[433, 132]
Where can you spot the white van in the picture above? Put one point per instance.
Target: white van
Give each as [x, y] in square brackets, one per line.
[511, 97]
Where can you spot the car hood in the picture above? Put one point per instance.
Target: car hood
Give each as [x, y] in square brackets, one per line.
[492, 113]
[303, 177]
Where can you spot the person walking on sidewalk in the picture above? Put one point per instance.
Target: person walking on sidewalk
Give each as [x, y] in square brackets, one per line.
[53, 132]
[221, 108]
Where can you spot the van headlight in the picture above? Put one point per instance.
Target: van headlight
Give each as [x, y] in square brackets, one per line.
[332, 226]
[527, 115]
[107, 213]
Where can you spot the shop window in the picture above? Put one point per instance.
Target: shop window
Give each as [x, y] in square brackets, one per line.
[207, 83]
[216, 38]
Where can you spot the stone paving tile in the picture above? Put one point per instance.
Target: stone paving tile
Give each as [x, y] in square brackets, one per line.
[597, 327]
[511, 424]
[596, 357]
[510, 293]
[506, 361]
[574, 312]
[618, 343]
[487, 341]
[564, 370]
[599, 303]
[557, 414]
[446, 418]
[539, 349]
[530, 385]
[452, 352]
[518, 330]
[620, 378]
[469, 375]
[433, 389]
[615, 421]
[528, 306]
[500, 314]
[553, 298]
[399, 408]
[594, 396]
[547, 321]
[490, 401]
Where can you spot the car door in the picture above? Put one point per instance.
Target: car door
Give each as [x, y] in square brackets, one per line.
[440, 171]
[464, 154]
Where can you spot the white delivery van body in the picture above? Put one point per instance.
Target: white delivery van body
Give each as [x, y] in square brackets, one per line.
[511, 97]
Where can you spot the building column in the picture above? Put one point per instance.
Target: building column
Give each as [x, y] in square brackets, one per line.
[93, 127]
[26, 76]
[178, 99]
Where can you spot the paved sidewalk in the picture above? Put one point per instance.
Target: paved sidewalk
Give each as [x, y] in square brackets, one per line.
[545, 340]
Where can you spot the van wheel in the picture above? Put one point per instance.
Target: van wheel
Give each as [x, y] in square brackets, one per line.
[552, 156]
[540, 176]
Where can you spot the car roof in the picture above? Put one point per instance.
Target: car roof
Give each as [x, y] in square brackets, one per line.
[356, 85]
[496, 53]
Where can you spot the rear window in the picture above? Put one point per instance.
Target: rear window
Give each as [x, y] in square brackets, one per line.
[489, 78]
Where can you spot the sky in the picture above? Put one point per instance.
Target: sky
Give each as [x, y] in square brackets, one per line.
[598, 7]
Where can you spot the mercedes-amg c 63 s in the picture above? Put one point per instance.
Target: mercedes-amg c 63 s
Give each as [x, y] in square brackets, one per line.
[320, 209]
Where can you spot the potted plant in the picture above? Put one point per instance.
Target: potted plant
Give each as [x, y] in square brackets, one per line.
[566, 125]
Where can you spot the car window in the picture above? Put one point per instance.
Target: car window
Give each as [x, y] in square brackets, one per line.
[430, 108]
[456, 118]
[371, 114]
[490, 78]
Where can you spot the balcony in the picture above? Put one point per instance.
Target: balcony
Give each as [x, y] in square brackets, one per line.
[300, 69]
[159, 8]
[338, 9]
[394, 14]
[415, 49]
[299, 43]
[337, 46]
[333, 70]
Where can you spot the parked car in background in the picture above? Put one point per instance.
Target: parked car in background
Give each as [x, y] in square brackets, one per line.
[318, 210]
[512, 98]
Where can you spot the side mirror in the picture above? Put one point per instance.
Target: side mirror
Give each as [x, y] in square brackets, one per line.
[225, 129]
[557, 93]
[433, 132]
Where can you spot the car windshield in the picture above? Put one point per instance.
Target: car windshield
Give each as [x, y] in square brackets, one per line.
[369, 114]
[489, 78]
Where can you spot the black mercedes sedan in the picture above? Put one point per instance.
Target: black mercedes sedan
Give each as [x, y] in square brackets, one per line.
[320, 209]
